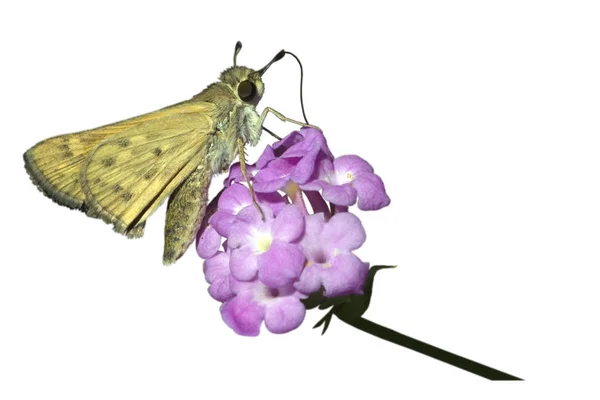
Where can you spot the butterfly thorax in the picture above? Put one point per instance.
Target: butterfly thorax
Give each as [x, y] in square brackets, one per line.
[233, 115]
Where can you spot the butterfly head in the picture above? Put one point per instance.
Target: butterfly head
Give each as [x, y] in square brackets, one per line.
[246, 82]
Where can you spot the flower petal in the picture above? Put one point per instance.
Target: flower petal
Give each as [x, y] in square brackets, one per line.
[208, 243]
[219, 289]
[352, 164]
[247, 223]
[313, 139]
[271, 185]
[371, 192]
[284, 144]
[293, 145]
[235, 174]
[313, 185]
[251, 215]
[271, 177]
[310, 280]
[312, 242]
[305, 167]
[243, 314]
[242, 286]
[275, 201]
[215, 267]
[281, 264]
[344, 231]
[284, 314]
[243, 264]
[267, 155]
[235, 198]
[346, 275]
[341, 195]
[289, 224]
[240, 233]
[221, 221]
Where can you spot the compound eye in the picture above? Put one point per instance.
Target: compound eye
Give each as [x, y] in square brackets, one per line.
[246, 91]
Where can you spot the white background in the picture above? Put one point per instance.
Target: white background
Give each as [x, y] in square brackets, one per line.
[483, 121]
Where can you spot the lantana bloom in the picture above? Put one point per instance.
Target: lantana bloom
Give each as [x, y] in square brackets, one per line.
[347, 178]
[262, 259]
[267, 248]
[247, 304]
[330, 263]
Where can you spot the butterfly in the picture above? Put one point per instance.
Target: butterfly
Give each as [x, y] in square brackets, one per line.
[122, 172]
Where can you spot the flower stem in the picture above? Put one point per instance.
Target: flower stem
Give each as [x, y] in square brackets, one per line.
[294, 192]
[317, 202]
[429, 350]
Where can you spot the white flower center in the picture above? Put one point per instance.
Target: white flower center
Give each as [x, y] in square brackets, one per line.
[263, 242]
[342, 177]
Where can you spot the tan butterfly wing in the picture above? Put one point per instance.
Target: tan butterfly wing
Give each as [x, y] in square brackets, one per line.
[129, 174]
[54, 164]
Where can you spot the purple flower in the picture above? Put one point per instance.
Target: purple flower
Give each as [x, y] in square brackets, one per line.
[248, 304]
[280, 308]
[260, 263]
[294, 158]
[328, 248]
[232, 200]
[208, 241]
[216, 272]
[268, 248]
[348, 178]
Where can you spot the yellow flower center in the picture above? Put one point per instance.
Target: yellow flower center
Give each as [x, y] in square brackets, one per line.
[291, 189]
[264, 242]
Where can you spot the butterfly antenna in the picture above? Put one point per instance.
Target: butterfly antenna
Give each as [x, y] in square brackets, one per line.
[238, 47]
[301, 84]
[277, 57]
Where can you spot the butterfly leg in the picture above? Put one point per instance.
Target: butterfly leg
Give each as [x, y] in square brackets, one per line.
[271, 133]
[282, 117]
[242, 155]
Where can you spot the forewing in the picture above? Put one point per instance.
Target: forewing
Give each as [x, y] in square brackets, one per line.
[130, 174]
[54, 164]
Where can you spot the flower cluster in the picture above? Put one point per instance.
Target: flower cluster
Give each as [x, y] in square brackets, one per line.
[263, 258]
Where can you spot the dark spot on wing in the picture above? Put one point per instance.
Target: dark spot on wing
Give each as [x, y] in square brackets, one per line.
[96, 181]
[127, 196]
[117, 188]
[109, 161]
[149, 174]
[68, 154]
[64, 147]
[158, 151]
[123, 142]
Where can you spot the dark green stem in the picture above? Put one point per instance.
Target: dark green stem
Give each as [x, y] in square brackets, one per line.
[429, 350]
